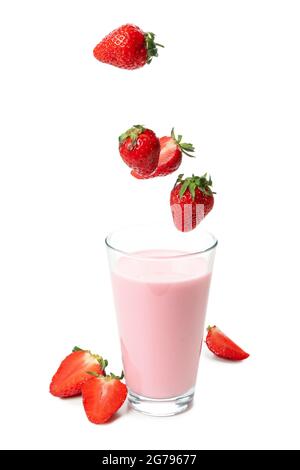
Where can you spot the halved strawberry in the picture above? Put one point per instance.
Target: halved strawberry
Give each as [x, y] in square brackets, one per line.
[102, 397]
[218, 343]
[170, 157]
[73, 372]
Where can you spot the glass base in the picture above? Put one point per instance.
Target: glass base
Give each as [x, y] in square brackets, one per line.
[160, 407]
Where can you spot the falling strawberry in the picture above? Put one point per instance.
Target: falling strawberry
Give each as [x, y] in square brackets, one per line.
[191, 200]
[73, 372]
[218, 343]
[170, 157]
[127, 47]
[102, 397]
[139, 147]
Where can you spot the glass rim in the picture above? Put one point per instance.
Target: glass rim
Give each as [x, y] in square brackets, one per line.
[213, 245]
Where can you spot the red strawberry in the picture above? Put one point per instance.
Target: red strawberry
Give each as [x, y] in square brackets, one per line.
[191, 200]
[222, 346]
[139, 147]
[73, 372]
[102, 397]
[170, 157]
[127, 47]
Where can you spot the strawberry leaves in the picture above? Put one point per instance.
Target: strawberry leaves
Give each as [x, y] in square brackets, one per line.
[133, 133]
[184, 147]
[184, 187]
[118, 377]
[107, 377]
[151, 46]
[203, 183]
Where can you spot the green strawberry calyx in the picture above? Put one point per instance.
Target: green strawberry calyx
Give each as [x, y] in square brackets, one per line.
[210, 327]
[102, 362]
[204, 183]
[151, 46]
[132, 133]
[185, 148]
[110, 376]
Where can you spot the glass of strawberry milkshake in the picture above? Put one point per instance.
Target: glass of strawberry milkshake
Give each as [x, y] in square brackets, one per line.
[160, 279]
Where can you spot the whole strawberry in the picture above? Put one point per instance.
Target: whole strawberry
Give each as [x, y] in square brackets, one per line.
[170, 157]
[139, 147]
[127, 47]
[191, 200]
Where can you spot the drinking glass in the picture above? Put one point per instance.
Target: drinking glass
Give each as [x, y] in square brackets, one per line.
[160, 279]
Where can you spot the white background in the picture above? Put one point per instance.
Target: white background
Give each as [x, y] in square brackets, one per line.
[228, 80]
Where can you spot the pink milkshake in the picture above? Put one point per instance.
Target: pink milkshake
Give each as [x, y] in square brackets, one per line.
[160, 298]
[161, 312]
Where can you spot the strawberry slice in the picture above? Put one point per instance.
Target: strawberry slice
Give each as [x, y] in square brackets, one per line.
[103, 396]
[73, 372]
[218, 343]
[170, 157]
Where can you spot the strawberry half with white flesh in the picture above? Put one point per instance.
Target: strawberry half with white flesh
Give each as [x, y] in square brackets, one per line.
[170, 157]
[73, 372]
[103, 396]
